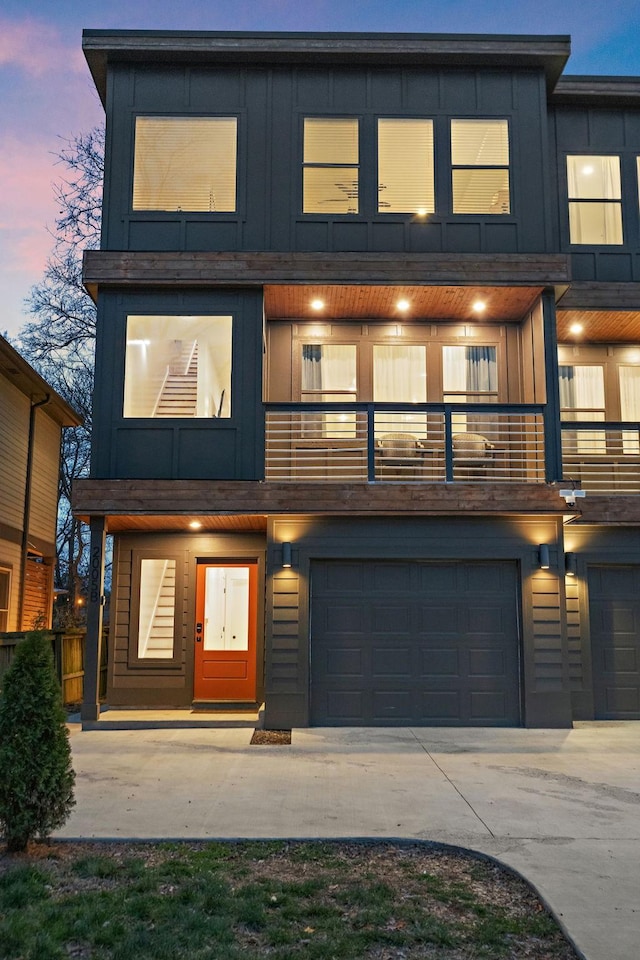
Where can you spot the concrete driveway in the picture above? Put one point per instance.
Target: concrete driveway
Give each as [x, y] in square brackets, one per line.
[561, 806]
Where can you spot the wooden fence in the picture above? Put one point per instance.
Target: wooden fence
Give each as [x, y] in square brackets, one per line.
[68, 654]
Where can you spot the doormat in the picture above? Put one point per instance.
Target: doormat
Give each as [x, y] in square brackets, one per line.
[277, 737]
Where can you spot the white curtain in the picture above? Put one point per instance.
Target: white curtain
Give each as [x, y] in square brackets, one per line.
[630, 406]
[400, 376]
[582, 398]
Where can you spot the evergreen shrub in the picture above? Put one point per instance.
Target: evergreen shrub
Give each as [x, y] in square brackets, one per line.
[36, 775]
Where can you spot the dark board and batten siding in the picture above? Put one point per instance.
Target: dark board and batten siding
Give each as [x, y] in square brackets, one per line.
[271, 103]
[540, 601]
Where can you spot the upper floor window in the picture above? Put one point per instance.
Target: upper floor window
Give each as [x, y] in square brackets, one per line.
[480, 166]
[405, 166]
[330, 158]
[185, 163]
[595, 207]
[5, 584]
[178, 367]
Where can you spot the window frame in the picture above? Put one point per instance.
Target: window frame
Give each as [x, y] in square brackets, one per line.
[238, 213]
[305, 165]
[210, 420]
[134, 660]
[8, 570]
[617, 201]
[509, 166]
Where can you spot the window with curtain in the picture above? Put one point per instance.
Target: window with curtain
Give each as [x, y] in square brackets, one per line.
[329, 376]
[629, 378]
[469, 375]
[178, 367]
[330, 165]
[595, 204]
[405, 166]
[582, 398]
[185, 164]
[480, 166]
[399, 376]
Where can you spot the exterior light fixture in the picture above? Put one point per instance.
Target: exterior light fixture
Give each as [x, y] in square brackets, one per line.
[570, 564]
[421, 212]
[544, 561]
[195, 524]
[403, 305]
[479, 306]
[286, 554]
[576, 328]
[317, 304]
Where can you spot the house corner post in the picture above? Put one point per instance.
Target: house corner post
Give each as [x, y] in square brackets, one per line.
[552, 428]
[95, 609]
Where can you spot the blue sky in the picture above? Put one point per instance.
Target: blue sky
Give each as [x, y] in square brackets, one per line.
[46, 92]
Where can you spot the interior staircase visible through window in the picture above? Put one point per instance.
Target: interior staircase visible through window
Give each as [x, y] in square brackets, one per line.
[157, 627]
[178, 396]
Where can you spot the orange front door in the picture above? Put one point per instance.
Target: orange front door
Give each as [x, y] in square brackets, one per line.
[225, 640]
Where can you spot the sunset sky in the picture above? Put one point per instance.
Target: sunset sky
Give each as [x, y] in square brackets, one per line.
[46, 93]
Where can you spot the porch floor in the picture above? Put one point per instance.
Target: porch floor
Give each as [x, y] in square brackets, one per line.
[186, 718]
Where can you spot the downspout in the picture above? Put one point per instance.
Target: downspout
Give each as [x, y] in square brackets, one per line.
[26, 515]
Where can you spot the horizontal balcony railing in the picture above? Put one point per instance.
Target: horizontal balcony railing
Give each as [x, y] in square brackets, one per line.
[408, 443]
[602, 457]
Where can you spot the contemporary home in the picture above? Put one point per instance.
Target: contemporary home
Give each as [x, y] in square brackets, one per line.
[367, 409]
[32, 415]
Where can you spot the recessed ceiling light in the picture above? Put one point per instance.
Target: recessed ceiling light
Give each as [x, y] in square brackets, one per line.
[195, 524]
[403, 305]
[576, 328]
[317, 304]
[479, 306]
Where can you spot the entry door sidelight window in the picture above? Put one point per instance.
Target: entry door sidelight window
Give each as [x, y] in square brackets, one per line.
[405, 166]
[156, 618]
[330, 165]
[178, 367]
[595, 199]
[185, 164]
[480, 166]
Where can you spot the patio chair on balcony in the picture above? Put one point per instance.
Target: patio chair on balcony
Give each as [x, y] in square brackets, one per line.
[473, 455]
[399, 456]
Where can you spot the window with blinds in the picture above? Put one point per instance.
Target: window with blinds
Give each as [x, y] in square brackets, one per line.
[330, 165]
[480, 166]
[595, 207]
[185, 164]
[405, 166]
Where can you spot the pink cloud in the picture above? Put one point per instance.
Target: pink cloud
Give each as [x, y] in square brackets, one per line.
[36, 47]
[27, 172]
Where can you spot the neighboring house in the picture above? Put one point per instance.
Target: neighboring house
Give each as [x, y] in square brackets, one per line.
[369, 311]
[32, 415]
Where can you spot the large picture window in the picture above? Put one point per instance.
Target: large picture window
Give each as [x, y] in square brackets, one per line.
[185, 164]
[405, 166]
[480, 166]
[178, 367]
[595, 206]
[330, 158]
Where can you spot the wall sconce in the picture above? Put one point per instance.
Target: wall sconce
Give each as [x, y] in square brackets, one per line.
[286, 554]
[544, 561]
[570, 564]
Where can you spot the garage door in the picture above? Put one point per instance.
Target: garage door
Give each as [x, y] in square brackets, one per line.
[414, 643]
[614, 607]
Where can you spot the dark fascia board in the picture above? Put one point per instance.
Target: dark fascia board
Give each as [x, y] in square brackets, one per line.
[21, 374]
[604, 91]
[548, 53]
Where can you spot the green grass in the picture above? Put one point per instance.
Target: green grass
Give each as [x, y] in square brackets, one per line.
[252, 900]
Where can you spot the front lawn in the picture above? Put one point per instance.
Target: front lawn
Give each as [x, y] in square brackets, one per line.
[282, 900]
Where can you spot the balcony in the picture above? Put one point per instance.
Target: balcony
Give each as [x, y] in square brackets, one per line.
[602, 458]
[404, 443]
